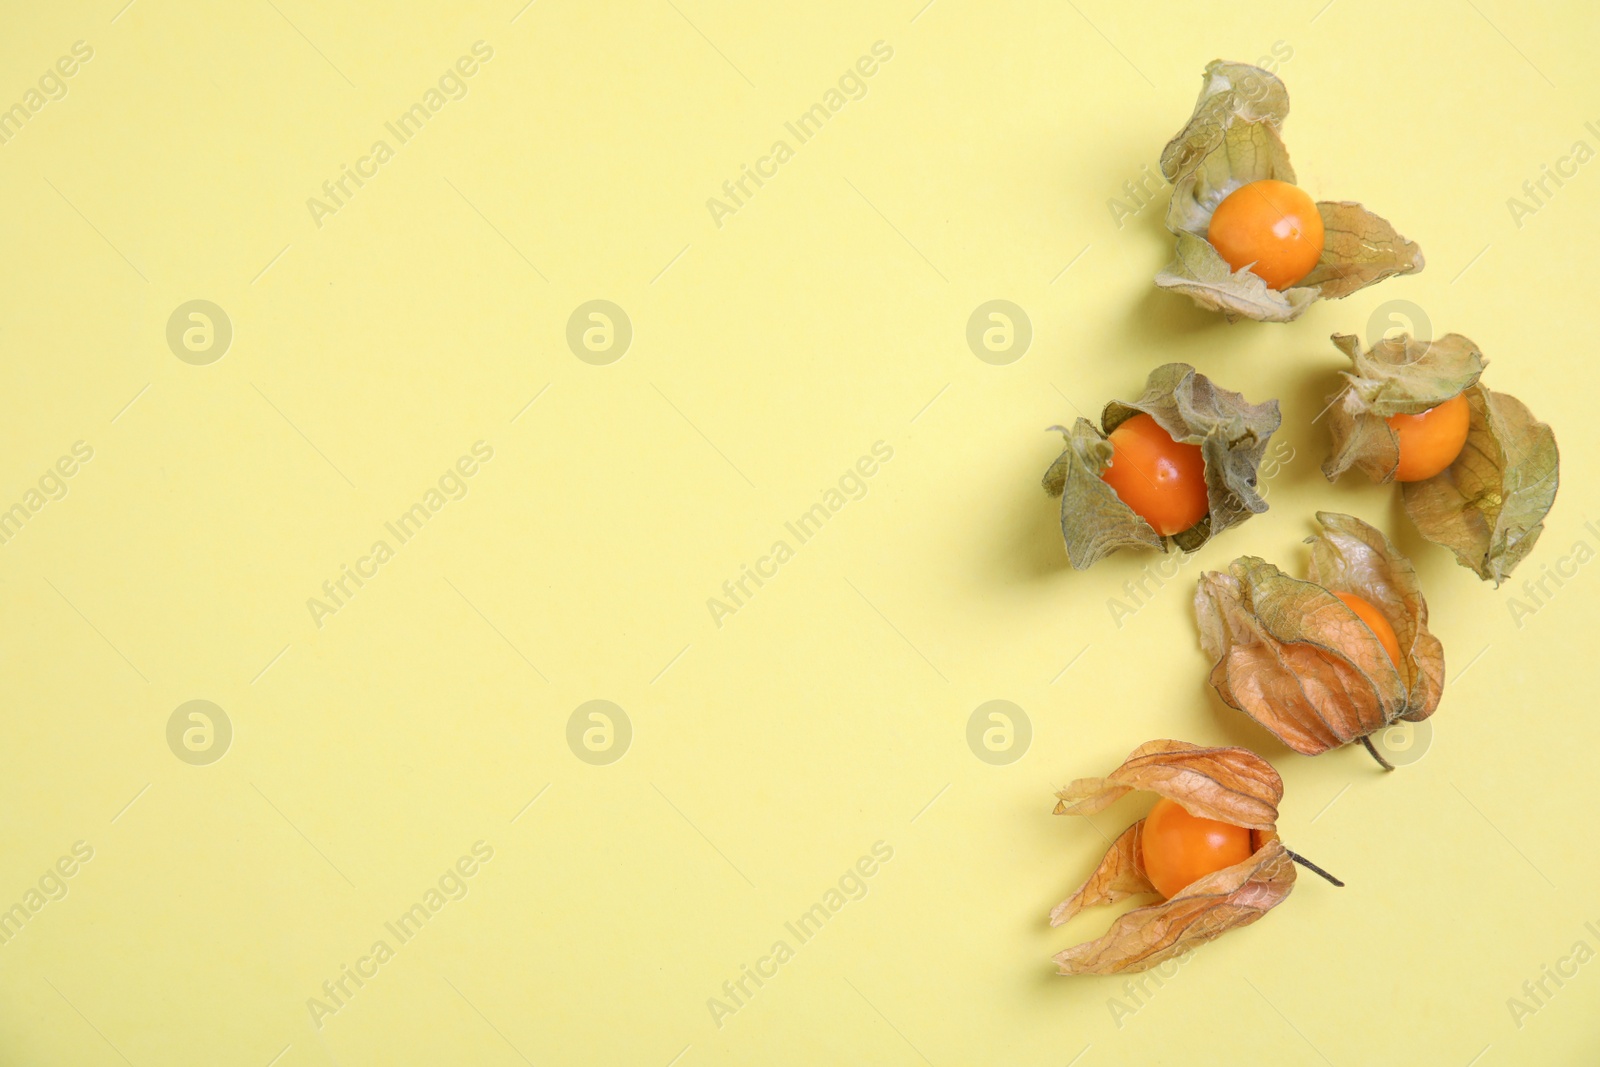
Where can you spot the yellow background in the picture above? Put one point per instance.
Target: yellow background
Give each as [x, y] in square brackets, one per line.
[768, 354]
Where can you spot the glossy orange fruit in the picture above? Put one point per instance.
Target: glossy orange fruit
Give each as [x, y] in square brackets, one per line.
[1162, 480]
[1180, 848]
[1431, 441]
[1375, 622]
[1271, 227]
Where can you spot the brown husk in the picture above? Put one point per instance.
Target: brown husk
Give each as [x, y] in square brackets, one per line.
[1232, 434]
[1233, 138]
[1119, 875]
[1292, 656]
[1231, 784]
[1203, 911]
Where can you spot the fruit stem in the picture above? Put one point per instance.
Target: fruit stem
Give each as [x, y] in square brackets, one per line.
[1385, 764]
[1302, 861]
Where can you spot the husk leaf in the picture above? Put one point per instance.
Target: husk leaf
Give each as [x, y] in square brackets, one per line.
[1350, 556]
[1232, 785]
[1358, 249]
[1231, 139]
[1198, 271]
[1094, 520]
[1488, 507]
[1119, 874]
[1203, 911]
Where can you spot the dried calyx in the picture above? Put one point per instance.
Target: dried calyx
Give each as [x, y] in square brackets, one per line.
[1489, 505]
[1298, 658]
[1230, 785]
[1232, 140]
[1231, 433]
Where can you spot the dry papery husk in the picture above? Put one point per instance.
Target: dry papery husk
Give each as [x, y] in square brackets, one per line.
[1233, 139]
[1293, 657]
[1232, 785]
[1488, 507]
[1232, 434]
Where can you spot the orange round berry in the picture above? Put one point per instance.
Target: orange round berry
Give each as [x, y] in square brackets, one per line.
[1375, 622]
[1179, 848]
[1162, 480]
[1271, 227]
[1431, 440]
